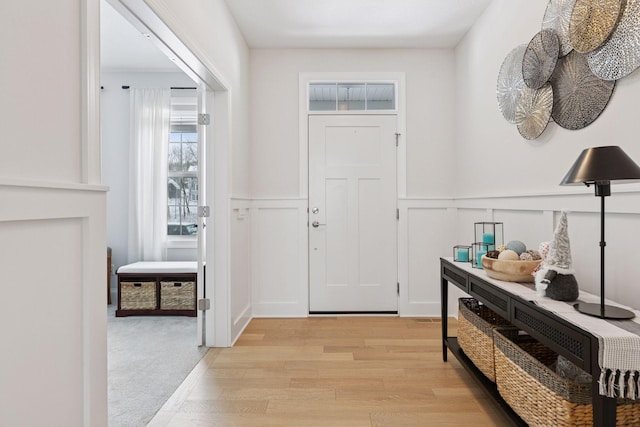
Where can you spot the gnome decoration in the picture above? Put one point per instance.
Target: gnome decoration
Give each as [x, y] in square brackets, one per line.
[554, 276]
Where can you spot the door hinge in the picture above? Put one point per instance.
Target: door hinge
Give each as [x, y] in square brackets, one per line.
[398, 214]
[398, 139]
[204, 304]
[204, 119]
[398, 288]
[204, 211]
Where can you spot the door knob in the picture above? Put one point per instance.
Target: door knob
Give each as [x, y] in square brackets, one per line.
[315, 210]
[316, 224]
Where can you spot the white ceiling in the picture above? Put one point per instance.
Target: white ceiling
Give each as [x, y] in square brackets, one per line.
[355, 23]
[308, 24]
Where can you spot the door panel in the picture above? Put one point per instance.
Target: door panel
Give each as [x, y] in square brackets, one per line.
[352, 216]
[337, 254]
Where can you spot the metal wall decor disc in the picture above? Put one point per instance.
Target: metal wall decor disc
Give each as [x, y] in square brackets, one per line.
[510, 83]
[579, 96]
[557, 17]
[620, 55]
[533, 110]
[592, 22]
[540, 58]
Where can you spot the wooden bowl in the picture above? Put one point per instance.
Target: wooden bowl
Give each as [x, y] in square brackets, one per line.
[509, 271]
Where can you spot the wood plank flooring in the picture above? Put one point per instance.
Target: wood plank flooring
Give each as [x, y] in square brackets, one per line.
[331, 371]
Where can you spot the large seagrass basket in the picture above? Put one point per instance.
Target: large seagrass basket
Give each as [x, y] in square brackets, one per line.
[476, 323]
[539, 395]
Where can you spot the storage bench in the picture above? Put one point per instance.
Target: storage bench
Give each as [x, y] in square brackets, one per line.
[165, 288]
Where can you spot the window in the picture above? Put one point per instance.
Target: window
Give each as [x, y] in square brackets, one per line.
[182, 189]
[352, 96]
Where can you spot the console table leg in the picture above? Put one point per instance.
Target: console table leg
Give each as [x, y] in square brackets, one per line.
[444, 300]
[604, 408]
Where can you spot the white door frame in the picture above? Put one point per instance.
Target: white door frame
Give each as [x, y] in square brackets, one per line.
[217, 324]
[303, 137]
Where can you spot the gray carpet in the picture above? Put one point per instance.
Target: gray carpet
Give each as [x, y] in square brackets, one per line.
[149, 357]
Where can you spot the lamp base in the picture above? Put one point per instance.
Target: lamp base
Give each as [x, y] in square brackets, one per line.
[610, 312]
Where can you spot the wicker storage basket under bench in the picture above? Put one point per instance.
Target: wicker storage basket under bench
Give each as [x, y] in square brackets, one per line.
[476, 323]
[157, 288]
[541, 397]
[141, 295]
[177, 295]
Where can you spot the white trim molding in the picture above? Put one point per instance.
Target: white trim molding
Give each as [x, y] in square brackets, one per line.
[90, 91]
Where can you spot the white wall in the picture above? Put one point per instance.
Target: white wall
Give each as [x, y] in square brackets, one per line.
[274, 113]
[115, 124]
[279, 227]
[52, 219]
[28, 157]
[501, 176]
[465, 163]
[490, 148]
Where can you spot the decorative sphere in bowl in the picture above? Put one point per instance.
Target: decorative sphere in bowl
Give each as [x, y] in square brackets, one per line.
[509, 255]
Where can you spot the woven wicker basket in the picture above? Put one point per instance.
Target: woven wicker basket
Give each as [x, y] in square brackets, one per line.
[138, 295]
[476, 323]
[177, 295]
[539, 395]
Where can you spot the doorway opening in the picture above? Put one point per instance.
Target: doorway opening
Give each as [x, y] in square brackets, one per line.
[182, 188]
[146, 97]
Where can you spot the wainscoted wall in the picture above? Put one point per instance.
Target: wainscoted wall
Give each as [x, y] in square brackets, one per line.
[425, 231]
[532, 219]
[428, 228]
[53, 262]
[53, 257]
[240, 266]
[279, 262]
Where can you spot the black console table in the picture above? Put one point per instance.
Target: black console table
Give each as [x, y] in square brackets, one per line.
[565, 338]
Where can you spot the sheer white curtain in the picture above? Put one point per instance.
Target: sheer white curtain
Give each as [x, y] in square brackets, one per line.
[150, 122]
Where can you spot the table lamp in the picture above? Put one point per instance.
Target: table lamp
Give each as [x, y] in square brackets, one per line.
[600, 166]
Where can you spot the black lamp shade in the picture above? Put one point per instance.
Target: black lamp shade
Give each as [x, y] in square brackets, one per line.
[602, 165]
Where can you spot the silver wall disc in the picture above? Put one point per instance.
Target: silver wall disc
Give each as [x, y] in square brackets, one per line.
[533, 110]
[579, 96]
[510, 83]
[620, 55]
[557, 17]
[540, 58]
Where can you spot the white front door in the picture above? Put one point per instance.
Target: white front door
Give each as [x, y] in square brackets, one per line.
[352, 214]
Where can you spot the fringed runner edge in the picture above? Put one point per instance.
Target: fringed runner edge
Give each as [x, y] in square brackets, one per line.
[615, 383]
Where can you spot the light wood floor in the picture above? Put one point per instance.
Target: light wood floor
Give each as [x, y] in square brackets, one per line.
[331, 371]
